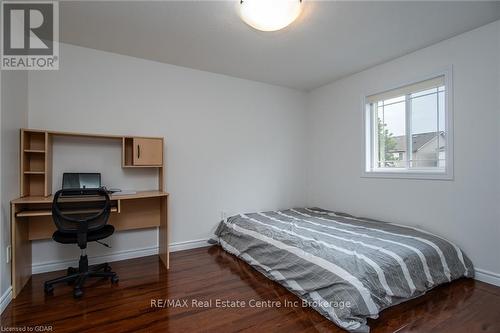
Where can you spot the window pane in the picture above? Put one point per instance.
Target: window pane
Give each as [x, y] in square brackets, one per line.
[424, 131]
[391, 144]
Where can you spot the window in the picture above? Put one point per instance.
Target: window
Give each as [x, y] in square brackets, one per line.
[408, 132]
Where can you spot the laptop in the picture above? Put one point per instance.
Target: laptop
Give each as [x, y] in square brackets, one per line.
[74, 183]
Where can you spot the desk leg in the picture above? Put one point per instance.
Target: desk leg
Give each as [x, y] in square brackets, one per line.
[164, 230]
[21, 251]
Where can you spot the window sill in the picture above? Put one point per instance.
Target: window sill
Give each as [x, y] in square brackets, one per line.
[408, 174]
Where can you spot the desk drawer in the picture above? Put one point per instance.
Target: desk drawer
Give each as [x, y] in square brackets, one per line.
[132, 214]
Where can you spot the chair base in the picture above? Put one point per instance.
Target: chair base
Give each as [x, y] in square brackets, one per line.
[78, 276]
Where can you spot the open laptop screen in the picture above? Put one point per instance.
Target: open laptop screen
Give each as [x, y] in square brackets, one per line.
[81, 180]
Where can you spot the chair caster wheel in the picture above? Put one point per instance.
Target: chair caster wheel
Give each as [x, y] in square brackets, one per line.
[114, 279]
[107, 268]
[77, 293]
[71, 271]
[48, 288]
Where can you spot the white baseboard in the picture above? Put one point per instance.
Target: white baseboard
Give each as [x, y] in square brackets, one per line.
[5, 299]
[192, 244]
[487, 276]
[121, 255]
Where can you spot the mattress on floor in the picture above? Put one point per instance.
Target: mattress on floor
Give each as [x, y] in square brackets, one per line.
[347, 268]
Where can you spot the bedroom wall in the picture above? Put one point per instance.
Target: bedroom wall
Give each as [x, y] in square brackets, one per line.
[14, 114]
[465, 210]
[231, 144]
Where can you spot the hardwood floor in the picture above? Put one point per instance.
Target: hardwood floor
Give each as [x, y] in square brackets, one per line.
[210, 273]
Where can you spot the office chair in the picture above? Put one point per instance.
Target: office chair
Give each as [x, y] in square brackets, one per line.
[82, 219]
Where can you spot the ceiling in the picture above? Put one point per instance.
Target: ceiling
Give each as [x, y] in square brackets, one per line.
[330, 39]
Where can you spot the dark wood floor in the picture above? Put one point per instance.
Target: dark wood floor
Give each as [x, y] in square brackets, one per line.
[210, 273]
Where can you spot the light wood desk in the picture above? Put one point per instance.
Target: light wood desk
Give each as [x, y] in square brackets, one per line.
[31, 214]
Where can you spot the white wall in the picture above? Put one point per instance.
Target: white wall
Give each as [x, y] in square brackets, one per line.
[14, 115]
[465, 210]
[231, 144]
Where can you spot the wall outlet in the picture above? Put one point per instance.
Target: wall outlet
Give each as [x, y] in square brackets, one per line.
[8, 253]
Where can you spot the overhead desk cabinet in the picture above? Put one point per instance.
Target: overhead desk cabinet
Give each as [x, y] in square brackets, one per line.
[142, 152]
[31, 216]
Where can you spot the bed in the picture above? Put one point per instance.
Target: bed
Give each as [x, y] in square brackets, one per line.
[346, 268]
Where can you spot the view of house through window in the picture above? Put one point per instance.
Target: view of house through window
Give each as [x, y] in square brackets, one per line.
[407, 128]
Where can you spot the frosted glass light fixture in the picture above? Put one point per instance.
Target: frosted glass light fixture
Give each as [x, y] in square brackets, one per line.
[269, 15]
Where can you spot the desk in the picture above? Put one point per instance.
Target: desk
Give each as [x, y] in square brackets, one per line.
[31, 219]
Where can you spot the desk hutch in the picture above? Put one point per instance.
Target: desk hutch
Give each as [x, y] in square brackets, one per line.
[31, 215]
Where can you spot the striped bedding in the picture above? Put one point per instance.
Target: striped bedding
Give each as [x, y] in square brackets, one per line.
[348, 269]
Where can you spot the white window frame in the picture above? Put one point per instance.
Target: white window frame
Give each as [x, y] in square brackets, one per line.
[405, 173]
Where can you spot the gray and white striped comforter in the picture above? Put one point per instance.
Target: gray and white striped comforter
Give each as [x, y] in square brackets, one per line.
[348, 269]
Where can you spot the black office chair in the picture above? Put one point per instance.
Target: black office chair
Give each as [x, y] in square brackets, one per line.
[81, 219]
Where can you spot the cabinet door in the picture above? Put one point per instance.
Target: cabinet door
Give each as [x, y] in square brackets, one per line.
[148, 151]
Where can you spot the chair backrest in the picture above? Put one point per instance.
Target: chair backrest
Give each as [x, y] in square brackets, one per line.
[86, 212]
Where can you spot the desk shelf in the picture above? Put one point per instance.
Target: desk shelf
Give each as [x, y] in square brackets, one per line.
[35, 151]
[29, 213]
[48, 212]
[34, 172]
[36, 163]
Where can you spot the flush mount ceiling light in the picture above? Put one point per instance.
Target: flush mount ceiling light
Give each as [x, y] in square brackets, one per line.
[269, 15]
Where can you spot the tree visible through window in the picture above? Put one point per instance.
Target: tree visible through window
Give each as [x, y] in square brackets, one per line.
[387, 146]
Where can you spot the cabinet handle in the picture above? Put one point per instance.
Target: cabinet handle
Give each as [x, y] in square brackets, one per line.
[138, 151]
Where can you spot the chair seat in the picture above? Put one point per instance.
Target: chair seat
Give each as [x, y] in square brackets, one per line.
[67, 238]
